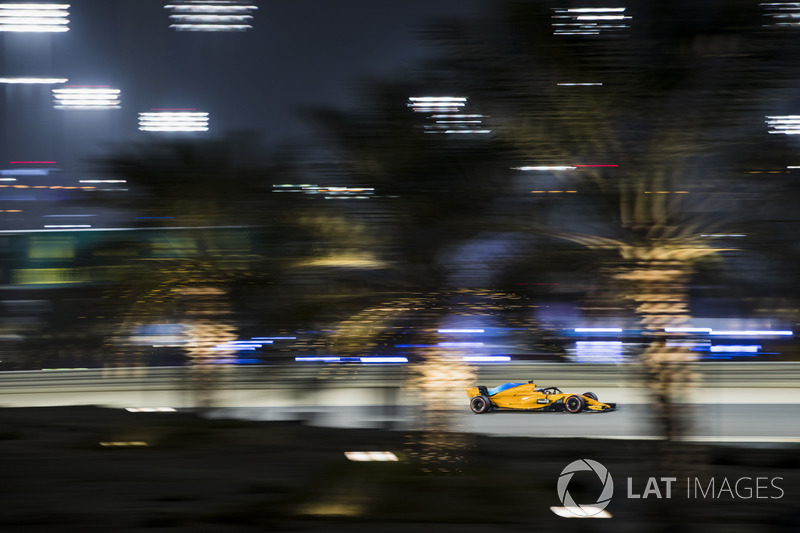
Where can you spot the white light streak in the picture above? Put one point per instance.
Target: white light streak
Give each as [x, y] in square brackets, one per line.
[197, 15]
[65, 226]
[86, 98]
[450, 108]
[589, 20]
[598, 330]
[383, 359]
[546, 167]
[486, 358]
[173, 121]
[34, 80]
[580, 512]
[779, 12]
[783, 124]
[753, 333]
[210, 27]
[370, 456]
[752, 348]
[34, 17]
[460, 344]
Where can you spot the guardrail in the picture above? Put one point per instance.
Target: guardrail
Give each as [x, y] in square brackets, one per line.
[343, 375]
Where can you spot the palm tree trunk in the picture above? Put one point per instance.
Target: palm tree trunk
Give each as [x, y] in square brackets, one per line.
[658, 288]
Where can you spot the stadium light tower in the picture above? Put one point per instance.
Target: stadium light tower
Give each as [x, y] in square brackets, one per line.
[41, 18]
[211, 15]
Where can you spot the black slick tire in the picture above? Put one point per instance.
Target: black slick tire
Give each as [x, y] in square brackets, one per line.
[480, 405]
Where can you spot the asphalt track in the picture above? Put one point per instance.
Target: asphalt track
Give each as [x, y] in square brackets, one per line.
[745, 403]
[779, 424]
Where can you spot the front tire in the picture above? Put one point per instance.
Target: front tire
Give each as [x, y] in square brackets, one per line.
[591, 395]
[480, 405]
[574, 404]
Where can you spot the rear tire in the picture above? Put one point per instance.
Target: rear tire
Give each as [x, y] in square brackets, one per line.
[480, 405]
[591, 395]
[574, 404]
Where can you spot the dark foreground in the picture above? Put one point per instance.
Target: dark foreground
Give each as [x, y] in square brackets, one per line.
[203, 475]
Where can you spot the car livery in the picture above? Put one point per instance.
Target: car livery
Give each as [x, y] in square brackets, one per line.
[526, 397]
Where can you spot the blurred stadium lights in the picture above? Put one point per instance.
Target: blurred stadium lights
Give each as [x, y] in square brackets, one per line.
[329, 193]
[449, 117]
[782, 14]
[589, 20]
[203, 15]
[37, 18]
[783, 124]
[428, 104]
[34, 80]
[173, 120]
[86, 97]
[370, 456]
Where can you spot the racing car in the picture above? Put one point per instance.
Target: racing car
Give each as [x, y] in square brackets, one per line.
[526, 397]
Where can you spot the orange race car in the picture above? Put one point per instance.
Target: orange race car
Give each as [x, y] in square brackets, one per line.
[526, 397]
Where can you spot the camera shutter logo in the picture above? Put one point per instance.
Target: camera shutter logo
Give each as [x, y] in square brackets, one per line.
[586, 509]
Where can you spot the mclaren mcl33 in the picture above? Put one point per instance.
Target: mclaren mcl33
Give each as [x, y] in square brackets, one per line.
[526, 397]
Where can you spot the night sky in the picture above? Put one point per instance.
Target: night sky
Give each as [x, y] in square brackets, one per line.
[299, 53]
